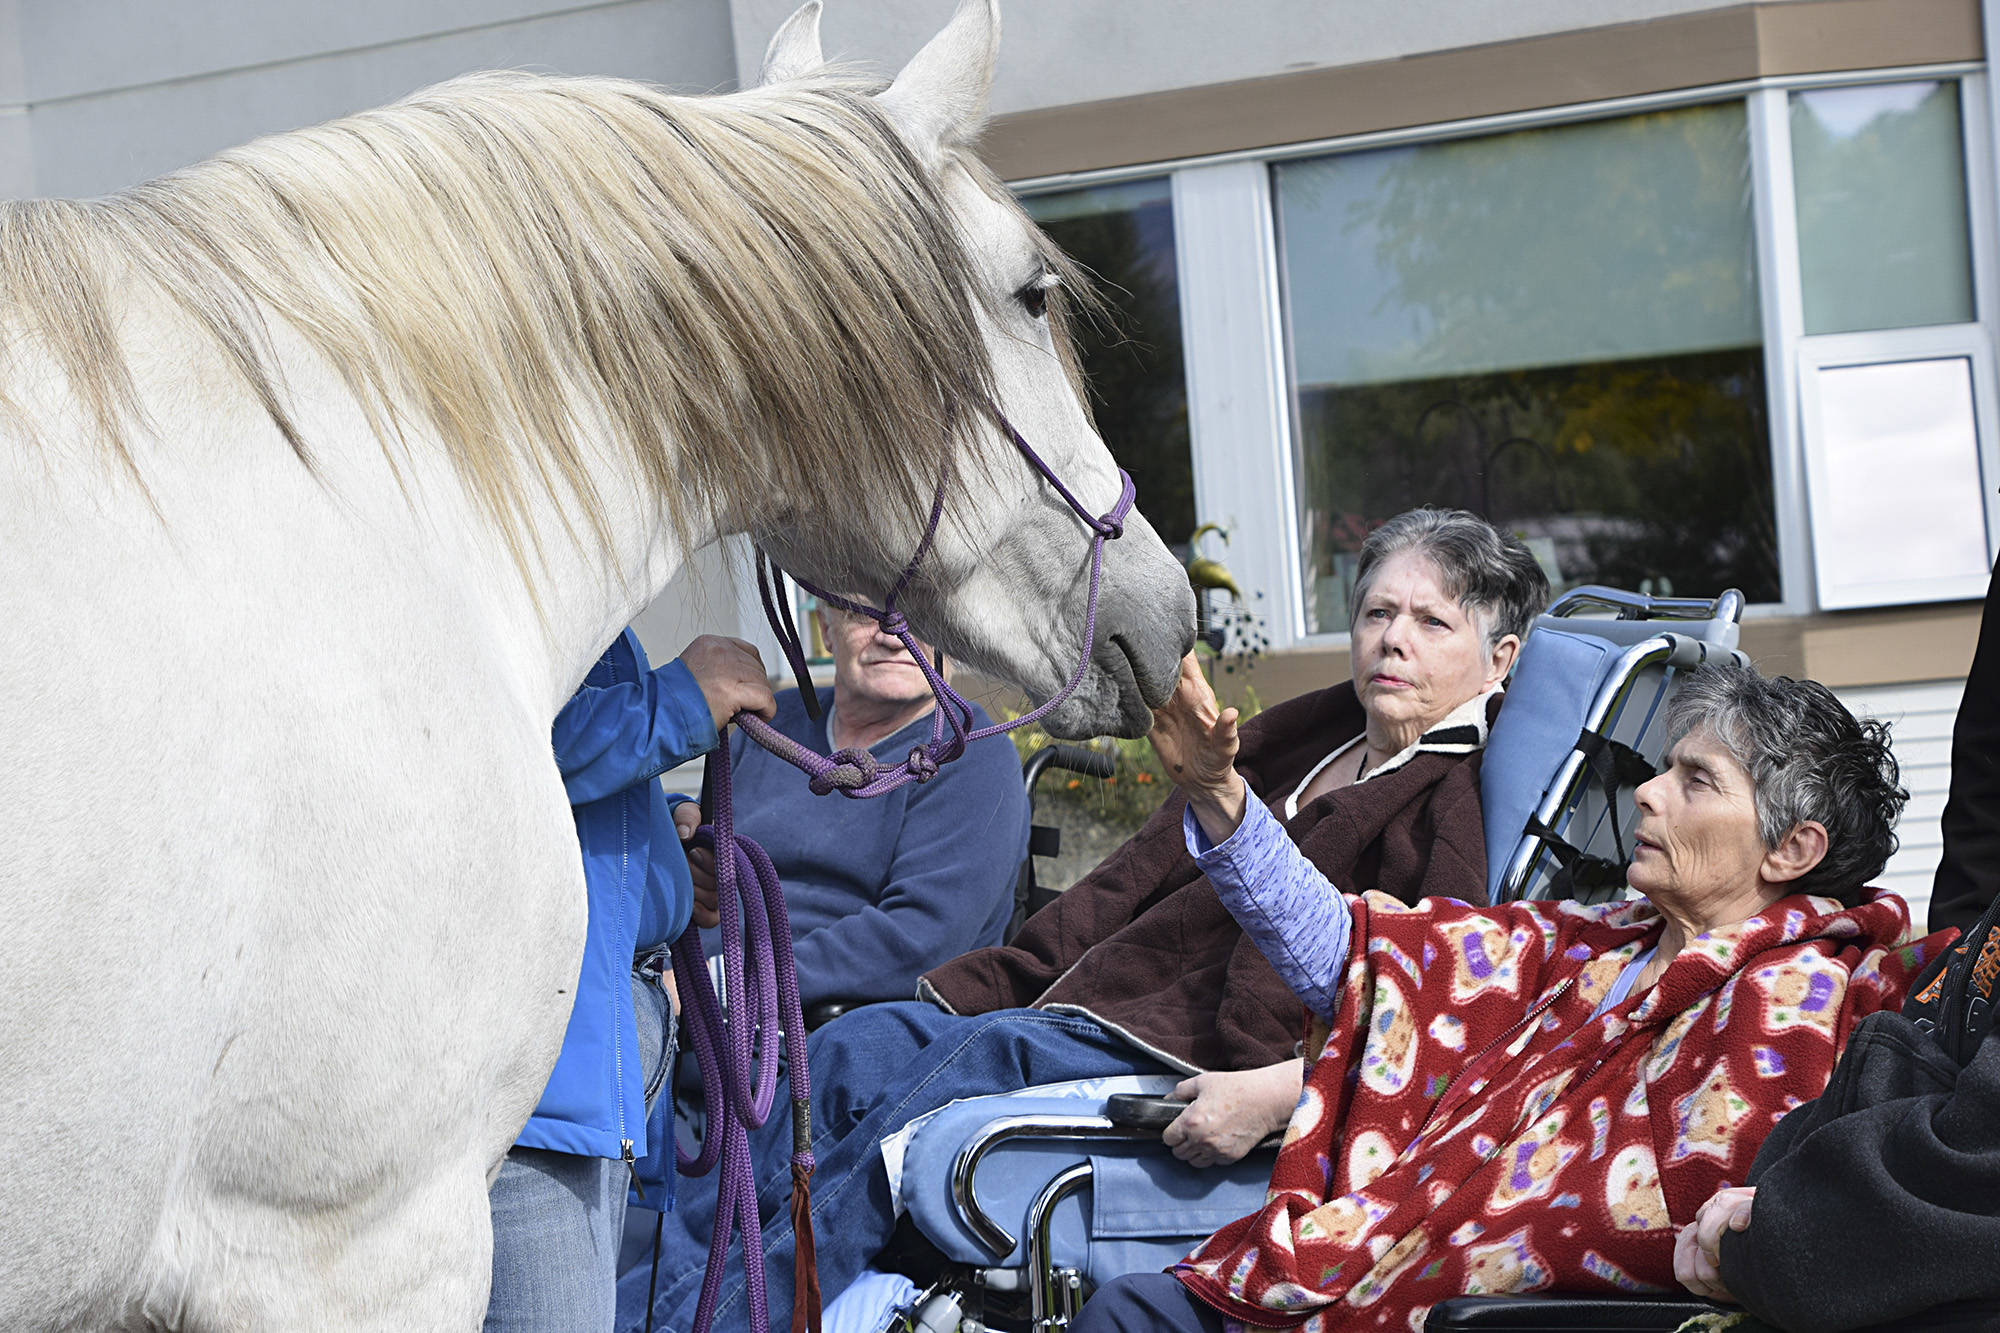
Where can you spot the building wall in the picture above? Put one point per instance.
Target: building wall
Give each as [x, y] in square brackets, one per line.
[1920, 717]
[1059, 52]
[100, 94]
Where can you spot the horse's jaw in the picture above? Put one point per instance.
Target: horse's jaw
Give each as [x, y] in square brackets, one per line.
[1145, 625]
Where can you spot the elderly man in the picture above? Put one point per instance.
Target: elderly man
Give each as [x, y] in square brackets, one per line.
[879, 891]
[1138, 968]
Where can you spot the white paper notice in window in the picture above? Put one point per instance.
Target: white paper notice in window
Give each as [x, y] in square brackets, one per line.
[1901, 515]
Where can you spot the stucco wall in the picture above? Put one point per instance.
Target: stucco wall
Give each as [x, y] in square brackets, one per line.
[1056, 52]
[98, 94]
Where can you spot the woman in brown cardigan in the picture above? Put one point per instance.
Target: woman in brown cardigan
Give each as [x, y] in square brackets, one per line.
[1137, 968]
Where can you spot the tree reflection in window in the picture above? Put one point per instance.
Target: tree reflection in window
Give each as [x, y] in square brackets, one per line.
[1556, 328]
[1124, 235]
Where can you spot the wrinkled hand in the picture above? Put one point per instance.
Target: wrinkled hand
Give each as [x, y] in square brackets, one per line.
[701, 866]
[1698, 1247]
[1196, 740]
[1229, 1113]
[731, 675]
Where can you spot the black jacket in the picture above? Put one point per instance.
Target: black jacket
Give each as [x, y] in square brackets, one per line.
[1968, 878]
[1878, 1204]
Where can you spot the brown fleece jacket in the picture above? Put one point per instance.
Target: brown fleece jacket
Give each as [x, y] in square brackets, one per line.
[1143, 945]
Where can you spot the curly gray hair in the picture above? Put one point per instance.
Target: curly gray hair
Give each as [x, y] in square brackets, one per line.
[1808, 759]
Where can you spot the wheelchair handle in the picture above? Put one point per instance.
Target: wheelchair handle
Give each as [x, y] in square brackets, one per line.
[1075, 758]
[1131, 1110]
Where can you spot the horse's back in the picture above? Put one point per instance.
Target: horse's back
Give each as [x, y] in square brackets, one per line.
[277, 813]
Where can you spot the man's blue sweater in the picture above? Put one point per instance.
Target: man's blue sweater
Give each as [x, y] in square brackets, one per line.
[881, 891]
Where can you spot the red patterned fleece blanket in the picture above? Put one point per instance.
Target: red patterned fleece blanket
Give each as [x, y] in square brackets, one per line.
[1468, 1127]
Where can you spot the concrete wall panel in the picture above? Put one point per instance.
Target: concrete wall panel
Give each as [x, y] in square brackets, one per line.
[1056, 52]
[94, 143]
[75, 47]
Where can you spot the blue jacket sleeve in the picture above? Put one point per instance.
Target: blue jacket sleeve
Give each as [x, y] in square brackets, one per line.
[613, 737]
[950, 883]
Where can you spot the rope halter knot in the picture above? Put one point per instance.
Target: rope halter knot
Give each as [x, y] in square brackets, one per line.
[848, 770]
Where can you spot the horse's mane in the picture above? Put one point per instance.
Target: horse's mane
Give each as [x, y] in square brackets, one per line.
[770, 277]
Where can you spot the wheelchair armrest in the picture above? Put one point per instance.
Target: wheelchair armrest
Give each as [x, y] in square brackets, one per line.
[1556, 1313]
[965, 1166]
[1131, 1110]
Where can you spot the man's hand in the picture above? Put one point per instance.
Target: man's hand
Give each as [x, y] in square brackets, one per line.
[701, 866]
[732, 678]
[1196, 740]
[1230, 1113]
[1698, 1248]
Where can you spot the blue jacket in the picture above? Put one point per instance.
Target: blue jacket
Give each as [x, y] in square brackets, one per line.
[624, 728]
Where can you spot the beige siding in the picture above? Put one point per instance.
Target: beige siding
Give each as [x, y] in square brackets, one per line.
[1921, 715]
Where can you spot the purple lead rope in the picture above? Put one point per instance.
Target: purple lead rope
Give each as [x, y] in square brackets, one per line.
[737, 1048]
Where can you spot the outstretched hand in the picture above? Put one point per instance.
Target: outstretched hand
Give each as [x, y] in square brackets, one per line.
[1196, 740]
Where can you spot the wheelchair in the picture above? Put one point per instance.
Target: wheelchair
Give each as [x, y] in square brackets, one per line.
[1026, 1202]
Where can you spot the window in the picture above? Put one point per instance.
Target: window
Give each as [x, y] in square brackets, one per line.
[1558, 328]
[1895, 374]
[1898, 510]
[1880, 178]
[1124, 235]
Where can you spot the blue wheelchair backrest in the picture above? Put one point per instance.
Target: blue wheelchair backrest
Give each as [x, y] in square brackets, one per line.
[1577, 675]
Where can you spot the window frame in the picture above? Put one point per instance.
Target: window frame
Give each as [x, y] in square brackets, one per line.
[1241, 406]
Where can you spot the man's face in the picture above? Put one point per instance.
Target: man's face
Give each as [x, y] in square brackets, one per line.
[870, 667]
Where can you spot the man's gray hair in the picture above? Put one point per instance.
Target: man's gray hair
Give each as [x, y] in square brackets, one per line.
[1483, 569]
[1808, 758]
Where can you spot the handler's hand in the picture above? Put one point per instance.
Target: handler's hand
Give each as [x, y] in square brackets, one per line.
[1196, 740]
[1229, 1113]
[701, 866]
[732, 678]
[1698, 1248]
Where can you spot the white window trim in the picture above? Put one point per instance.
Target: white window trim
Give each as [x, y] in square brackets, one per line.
[1887, 347]
[1982, 199]
[1775, 222]
[1238, 386]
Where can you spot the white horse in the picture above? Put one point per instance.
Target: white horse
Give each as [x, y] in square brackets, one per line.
[327, 468]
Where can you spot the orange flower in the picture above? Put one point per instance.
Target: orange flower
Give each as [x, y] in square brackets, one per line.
[1073, 784]
[1144, 777]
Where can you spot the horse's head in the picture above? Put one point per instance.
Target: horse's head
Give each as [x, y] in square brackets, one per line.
[1006, 584]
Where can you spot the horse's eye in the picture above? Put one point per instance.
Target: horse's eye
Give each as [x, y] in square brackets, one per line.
[1034, 297]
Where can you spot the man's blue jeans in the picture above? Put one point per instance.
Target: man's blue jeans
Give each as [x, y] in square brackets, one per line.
[873, 1071]
[558, 1218]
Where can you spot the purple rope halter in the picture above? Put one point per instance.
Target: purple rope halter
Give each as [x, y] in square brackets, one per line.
[856, 773]
[737, 1048]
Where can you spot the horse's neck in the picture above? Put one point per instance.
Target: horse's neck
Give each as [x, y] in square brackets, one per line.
[588, 593]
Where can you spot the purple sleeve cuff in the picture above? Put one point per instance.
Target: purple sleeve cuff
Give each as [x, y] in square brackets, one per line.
[1293, 913]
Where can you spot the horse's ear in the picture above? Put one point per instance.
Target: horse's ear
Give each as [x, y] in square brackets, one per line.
[939, 100]
[794, 48]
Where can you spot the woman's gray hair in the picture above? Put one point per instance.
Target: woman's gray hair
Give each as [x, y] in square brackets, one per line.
[1483, 569]
[1808, 759]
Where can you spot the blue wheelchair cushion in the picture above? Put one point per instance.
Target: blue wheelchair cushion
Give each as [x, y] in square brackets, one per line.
[1547, 700]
